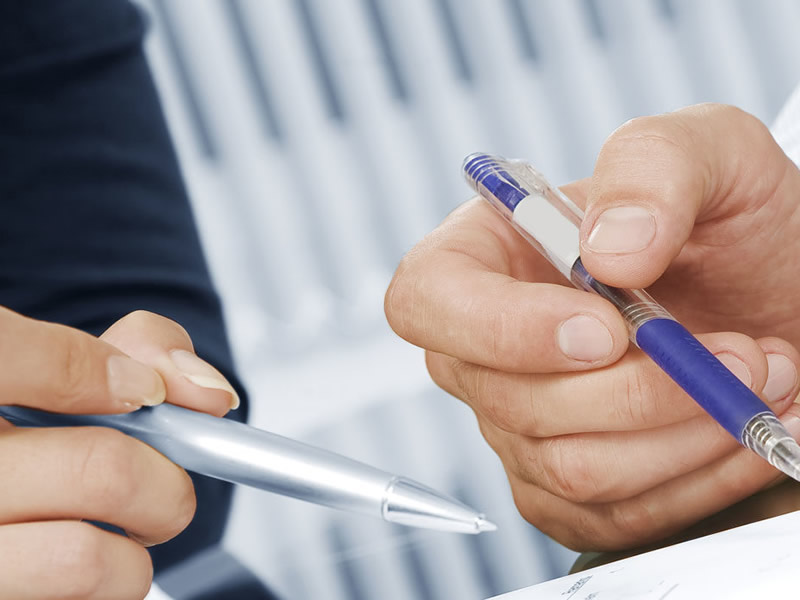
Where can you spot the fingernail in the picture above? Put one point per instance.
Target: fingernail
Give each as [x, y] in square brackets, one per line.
[132, 383]
[622, 230]
[200, 373]
[736, 366]
[781, 379]
[584, 338]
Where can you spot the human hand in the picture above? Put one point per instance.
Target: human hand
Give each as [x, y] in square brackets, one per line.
[54, 478]
[601, 449]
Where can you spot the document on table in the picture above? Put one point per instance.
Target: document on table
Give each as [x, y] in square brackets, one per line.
[758, 560]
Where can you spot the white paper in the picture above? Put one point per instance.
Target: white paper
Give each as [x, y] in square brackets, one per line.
[759, 560]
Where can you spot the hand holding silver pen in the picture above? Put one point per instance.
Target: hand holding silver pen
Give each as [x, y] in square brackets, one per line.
[601, 448]
[55, 481]
[81, 468]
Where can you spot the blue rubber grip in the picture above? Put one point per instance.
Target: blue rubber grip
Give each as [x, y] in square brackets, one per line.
[700, 374]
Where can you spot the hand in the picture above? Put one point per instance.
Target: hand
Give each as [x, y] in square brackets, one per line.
[602, 450]
[52, 479]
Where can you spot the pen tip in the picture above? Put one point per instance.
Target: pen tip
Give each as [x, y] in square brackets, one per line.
[483, 524]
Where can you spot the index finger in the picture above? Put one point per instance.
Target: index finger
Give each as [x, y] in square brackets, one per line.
[475, 290]
[60, 369]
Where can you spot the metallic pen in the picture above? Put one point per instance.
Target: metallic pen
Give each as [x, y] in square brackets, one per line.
[238, 453]
[549, 221]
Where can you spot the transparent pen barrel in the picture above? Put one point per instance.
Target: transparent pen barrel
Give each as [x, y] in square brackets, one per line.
[765, 435]
[637, 307]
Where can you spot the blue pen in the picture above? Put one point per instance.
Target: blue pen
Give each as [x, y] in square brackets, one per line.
[549, 221]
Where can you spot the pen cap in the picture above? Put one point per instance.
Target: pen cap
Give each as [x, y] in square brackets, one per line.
[538, 211]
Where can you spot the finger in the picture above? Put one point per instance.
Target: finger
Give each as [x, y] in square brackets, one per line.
[457, 294]
[655, 514]
[60, 369]
[632, 394]
[655, 177]
[93, 473]
[164, 345]
[68, 559]
[607, 467]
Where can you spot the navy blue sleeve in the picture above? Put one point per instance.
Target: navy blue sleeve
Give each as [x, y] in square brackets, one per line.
[94, 217]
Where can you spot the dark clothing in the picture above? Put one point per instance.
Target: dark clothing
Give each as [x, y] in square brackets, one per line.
[94, 218]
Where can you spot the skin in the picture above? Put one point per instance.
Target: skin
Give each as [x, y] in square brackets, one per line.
[54, 479]
[604, 452]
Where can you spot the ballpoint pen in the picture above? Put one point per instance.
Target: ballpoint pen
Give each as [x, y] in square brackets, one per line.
[549, 221]
[238, 453]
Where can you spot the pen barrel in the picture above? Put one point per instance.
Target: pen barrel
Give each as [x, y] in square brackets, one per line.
[637, 307]
[680, 355]
[235, 452]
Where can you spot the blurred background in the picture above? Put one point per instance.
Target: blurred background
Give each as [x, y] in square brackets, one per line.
[321, 139]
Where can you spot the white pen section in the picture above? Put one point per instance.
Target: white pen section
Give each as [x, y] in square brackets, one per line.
[447, 118]
[321, 161]
[258, 177]
[390, 154]
[556, 234]
[711, 36]
[228, 252]
[578, 78]
[511, 100]
[643, 54]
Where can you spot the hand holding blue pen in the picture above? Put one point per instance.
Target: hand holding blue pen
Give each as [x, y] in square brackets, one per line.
[603, 450]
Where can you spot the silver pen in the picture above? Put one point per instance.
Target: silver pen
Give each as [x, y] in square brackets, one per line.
[238, 453]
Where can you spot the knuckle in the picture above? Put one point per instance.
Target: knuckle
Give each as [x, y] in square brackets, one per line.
[637, 399]
[106, 465]
[629, 523]
[495, 395]
[729, 112]
[493, 398]
[570, 471]
[628, 397]
[72, 369]
[483, 389]
[507, 343]
[584, 532]
[524, 461]
[651, 135]
[464, 376]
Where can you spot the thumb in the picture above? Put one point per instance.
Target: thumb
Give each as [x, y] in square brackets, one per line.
[656, 178]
